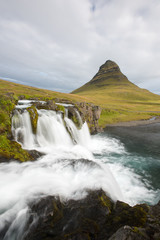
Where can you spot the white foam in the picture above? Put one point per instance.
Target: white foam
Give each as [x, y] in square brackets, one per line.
[67, 169]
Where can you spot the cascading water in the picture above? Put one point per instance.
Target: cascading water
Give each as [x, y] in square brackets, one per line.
[72, 163]
[68, 168]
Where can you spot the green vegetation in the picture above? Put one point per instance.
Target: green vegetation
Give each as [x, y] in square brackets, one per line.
[120, 99]
[106, 202]
[9, 149]
[12, 150]
[61, 108]
[34, 117]
[27, 92]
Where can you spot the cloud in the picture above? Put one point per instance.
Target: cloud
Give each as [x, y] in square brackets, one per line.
[61, 44]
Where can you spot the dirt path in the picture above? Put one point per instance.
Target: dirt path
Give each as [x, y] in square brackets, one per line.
[136, 123]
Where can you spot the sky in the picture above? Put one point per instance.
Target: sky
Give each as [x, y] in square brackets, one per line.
[60, 44]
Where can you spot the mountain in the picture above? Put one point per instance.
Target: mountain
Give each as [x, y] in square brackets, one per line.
[109, 75]
[120, 99]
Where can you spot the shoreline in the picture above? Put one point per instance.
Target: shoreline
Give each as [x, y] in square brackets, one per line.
[134, 123]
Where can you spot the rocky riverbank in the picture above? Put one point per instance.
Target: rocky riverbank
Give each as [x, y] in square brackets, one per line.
[95, 217]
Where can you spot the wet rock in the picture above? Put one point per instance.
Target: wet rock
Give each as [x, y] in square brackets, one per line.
[34, 117]
[72, 114]
[82, 219]
[48, 105]
[95, 217]
[129, 233]
[35, 154]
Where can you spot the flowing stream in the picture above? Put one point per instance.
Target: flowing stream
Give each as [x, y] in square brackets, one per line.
[73, 162]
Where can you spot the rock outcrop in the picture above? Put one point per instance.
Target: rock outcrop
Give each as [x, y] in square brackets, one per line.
[91, 114]
[88, 112]
[96, 217]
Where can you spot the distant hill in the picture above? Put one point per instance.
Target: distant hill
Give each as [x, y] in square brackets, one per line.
[121, 99]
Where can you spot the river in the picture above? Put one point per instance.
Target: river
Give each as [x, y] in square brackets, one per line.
[73, 162]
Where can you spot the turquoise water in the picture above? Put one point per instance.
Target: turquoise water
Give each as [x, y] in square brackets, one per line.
[134, 159]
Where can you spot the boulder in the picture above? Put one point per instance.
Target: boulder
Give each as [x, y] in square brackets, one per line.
[83, 219]
[129, 233]
[95, 217]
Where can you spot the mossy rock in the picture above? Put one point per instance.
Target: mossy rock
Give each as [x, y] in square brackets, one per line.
[74, 117]
[106, 201]
[34, 117]
[76, 121]
[12, 150]
[60, 108]
[123, 214]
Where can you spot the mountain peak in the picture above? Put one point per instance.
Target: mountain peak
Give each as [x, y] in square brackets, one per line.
[109, 65]
[108, 76]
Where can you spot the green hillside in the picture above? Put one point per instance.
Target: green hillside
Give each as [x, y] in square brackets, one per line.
[120, 99]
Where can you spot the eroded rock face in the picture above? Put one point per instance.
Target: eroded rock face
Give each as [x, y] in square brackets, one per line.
[96, 217]
[88, 112]
[91, 114]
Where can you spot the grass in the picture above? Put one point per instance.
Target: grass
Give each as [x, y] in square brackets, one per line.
[125, 103]
[32, 92]
[122, 102]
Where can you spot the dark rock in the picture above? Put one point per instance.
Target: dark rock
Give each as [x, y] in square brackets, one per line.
[21, 97]
[51, 105]
[82, 219]
[95, 217]
[5, 160]
[123, 214]
[129, 233]
[35, 154]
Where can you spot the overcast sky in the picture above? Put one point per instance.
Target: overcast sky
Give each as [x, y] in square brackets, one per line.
[60, 44]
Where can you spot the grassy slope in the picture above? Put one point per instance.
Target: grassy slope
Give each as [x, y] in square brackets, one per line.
[120, 99]
[32, 92]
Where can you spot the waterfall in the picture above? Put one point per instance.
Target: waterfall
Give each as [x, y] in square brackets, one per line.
[52, 130]
[22, 129]
[67, 169]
